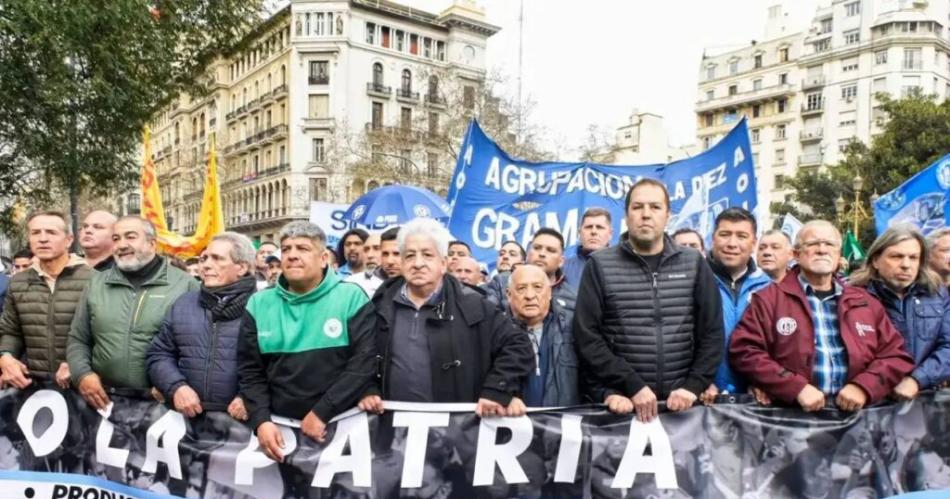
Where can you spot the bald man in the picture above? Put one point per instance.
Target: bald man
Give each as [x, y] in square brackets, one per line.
[554, 380]
[466, 269]
[95, 239]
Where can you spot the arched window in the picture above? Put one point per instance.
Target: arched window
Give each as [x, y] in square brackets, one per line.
[433, 86]
[283, 75]
[406, 81]
[377, 74]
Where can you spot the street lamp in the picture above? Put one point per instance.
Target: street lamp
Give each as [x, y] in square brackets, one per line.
[856, 212]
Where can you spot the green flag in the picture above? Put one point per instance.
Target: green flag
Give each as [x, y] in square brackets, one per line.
[852, 250]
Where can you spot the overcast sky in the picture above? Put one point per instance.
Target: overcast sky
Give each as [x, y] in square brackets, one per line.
[594, 61]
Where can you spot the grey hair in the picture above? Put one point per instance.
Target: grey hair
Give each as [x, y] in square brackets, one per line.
[429, 228]
[935, 236]
[896, 234]
[302, 228]
[147, 226]
[814, 224]
[242, 249]
[777, 232]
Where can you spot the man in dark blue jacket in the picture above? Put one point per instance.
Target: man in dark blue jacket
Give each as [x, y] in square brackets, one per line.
[192, 361]
[896, 274]
[595, 231]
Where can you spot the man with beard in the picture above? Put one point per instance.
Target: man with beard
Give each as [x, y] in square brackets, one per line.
[510, 253]
[40, 305]
[646, 325]
[119, 314]
[95, 239]
[774, 253]
[595, 233]
[193, 359]
[371, 276]
[350, 250]
[389, 260]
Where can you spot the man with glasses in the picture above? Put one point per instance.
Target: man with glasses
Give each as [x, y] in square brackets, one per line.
[809, 338]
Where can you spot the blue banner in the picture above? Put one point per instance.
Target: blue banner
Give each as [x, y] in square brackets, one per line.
[921, 201]
[496, 198]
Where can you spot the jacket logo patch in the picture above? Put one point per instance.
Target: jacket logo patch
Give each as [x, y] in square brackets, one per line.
[786, 326]
[332, 328]
[863, 329]
[677, 276]
[264, 334]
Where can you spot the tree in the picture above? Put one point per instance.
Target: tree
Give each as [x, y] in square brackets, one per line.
[916, 132]
[80, 79]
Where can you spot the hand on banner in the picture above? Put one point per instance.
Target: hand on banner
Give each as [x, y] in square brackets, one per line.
[644, 402]
[314, 427]
[907, 389]
[811, 399]
[270, 439]
[618, 404]
[14, 372]
[237, 410]
[489, 408]
[371, 403]
[708, 397]
[62, 375]
[680, 399]
[516, 408]
[157, 395]
[851, 398]
[187, 402]
[90, 387]
[760, 396]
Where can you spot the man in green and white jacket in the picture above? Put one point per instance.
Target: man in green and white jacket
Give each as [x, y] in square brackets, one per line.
[307, 346]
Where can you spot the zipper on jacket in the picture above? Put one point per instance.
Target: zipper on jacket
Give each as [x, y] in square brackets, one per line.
[657, 321]
[51, 343]
[214, 346]
[128, 337]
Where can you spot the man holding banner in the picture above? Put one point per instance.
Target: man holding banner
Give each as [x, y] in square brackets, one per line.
[646, 325]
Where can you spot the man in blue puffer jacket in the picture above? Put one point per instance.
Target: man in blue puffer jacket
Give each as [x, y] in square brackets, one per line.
[192, 361]
[896, 274]
[737, 277]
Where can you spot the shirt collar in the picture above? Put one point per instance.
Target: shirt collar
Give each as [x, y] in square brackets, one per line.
[809, 290]
[433, 299]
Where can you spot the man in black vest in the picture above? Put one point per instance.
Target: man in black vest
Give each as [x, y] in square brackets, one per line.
[648, 321]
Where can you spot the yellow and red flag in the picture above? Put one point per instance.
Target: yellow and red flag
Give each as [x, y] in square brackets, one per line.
[210, 217]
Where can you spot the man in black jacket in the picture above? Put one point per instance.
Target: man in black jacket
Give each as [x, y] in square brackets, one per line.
[441, 341]
[648, 321]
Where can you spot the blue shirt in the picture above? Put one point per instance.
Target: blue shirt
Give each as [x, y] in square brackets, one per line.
[830, 372]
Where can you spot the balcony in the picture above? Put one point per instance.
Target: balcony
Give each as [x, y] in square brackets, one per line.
[407, 95]
[764, 94]
[913, 65]
[378, 90]
[253, 104]
[811, 135]
[435, 100]
[322, 123]
[253, 177]
[813, 82]
[319, 79]
[809, 160]
[280, 91]
[266, 97]
[813, 108]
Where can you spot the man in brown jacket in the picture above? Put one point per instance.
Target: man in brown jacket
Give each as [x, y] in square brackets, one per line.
[40, 304]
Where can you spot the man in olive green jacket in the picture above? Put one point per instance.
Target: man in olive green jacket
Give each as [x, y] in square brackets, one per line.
[120, 312]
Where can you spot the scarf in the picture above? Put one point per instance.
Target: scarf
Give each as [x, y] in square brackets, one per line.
[227, 302]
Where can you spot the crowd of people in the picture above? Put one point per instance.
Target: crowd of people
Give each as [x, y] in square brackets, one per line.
[298, 329]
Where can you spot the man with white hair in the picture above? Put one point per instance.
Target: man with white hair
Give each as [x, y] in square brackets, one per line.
[809, 338]
[441, 341]
[192, 361]
[467, 271]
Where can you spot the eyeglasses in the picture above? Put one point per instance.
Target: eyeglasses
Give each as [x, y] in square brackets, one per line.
[816, 243]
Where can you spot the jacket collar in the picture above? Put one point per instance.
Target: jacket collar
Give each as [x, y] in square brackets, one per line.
[790, 285]
[723, 274]
[330, 280]
[669, 247]
[115, 276]
[456, 298]
[73, 261]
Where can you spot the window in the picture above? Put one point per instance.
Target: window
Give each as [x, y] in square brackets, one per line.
[848, 122]
[427, 47]
[848, 65]
[813, 101]
[823, 45]
[852, 37]
[775, 11]
[710, 72]
[710, 94]
[844, 143]
[432, 164]
[384, 35]
[781, 105]
[468, 97]
[406, 82]
[755, 134]
[780, 153]
[849, 92]
[319, 155]
[783, 79]
[377, 75]
[319, 106]
[414, 44]
[825, 26]
[440, 51]
[318, 189]
[400, 40]
[405, 118]
[783, 54]
[912, 59]
[757, 61]
[779, 132]
[377, 115]
[779, 181]
[852, 9]
[319, 73]
[757, 84]
[909, 84]
[433, 88]
[706, 142]
[733, 89]
[880, 57]
[756, 111]
[730, 116]
[709, 119]
[405, 162]
[734, 66]
[433, 123]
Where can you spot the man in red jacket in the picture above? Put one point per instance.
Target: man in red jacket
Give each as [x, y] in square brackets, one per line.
[809, 337]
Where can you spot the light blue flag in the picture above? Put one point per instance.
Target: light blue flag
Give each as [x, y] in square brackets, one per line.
[921, 201]
[791, 226]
